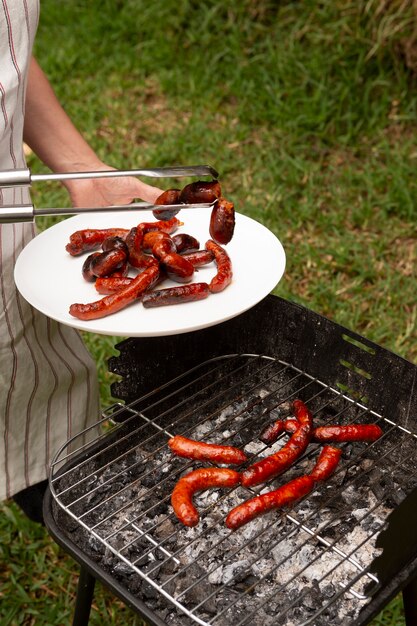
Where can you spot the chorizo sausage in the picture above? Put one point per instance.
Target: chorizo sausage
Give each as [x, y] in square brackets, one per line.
[136, 256]
[199, 480]
[91, 238]
[112, 284]
[283, 496]
[322, 434]
[176, 295]
[200, 191]
[176, 267]
[222, 221]
[276, 463]
[106, 263]
[114, 243]
[224, 275]
[86, 268]
[170, 196]
[119, 300]
[199, 257]
[185, 243]
[327, 462]
[164, 226]
[201, 451]
[350, 432]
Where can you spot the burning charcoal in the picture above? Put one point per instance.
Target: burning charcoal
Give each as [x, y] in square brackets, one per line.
[165, 529]
[328, 591]
[122, 569]
[311, 599]
[197, 588]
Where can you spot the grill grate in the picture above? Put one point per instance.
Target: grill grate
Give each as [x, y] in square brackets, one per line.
[309, 565]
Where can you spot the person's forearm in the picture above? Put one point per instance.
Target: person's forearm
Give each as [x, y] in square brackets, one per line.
[48, 130]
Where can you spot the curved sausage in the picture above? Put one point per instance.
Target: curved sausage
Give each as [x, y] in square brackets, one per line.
[224, 274]
[86, 268]
[170, 196]
[164, 226]
[119, 300]
[185, 243]
[199, 257]
[114, 243]
[271, 432]
[283, 496]
[136, 256]
[106, 263]
[201, 451]
[176, 267]
[222, 221]
[276, 463]
[91, 238]
[326, 463]
[200, 191]
[199, 480]
[176, 295]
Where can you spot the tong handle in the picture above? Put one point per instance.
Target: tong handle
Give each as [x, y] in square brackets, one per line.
[27, 212]
[23, 177]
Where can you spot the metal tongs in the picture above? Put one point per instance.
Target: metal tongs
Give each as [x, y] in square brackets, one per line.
[27, 212]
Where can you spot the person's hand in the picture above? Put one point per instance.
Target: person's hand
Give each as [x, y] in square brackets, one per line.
[91, 192]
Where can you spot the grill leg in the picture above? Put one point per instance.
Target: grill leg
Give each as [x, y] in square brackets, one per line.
[85, 591]
[410, 603]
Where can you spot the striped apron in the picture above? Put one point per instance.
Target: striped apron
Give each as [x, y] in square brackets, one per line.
[48, 380]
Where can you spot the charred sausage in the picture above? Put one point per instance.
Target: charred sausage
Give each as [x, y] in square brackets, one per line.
[326, 463]
[283, 496]
[224, 274]
[185, 243]
[176, 295]
[164, 226]
[176, 267]
[323, 434]
[199, 257]
[136, 256]
[199, 480]
[222, 221]
[112, 284]
[86, 268]
[170, 196]
[119, 300]
[90, 239]
[106, 263]
[201, 451]
[276, 463]
[200, 192]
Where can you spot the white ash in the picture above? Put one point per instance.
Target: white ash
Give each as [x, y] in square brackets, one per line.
[233, 575]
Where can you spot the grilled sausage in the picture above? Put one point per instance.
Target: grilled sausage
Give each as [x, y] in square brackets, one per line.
[185, 243]
[201, 451]
[222, 221]
[350, 432]
[136, 256]
[199, 480]
[199, 257]
[106, 263]
[164, 226]
[112, 284]
[322, 434]
[86, 268]
[276, 463]
[114, 243]
[176, 295]
[200, 191]
[170, 196]
[176, 267]
[283, 496]
[119, 300]
[326, 463]
[90, 239]
[224, 274]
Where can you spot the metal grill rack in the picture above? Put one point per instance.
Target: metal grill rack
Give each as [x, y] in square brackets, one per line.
[111, 486]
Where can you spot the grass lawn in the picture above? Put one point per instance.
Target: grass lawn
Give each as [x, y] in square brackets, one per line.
[308, 111]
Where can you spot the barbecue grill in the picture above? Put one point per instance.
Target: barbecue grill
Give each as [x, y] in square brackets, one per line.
[336, 557]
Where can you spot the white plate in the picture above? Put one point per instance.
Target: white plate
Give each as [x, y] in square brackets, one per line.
[50, 279]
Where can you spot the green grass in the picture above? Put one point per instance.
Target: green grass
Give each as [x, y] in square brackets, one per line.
[307, 110]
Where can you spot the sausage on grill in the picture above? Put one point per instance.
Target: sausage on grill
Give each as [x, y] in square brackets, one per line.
[199, 480]
[326, 463]
[202, 451]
